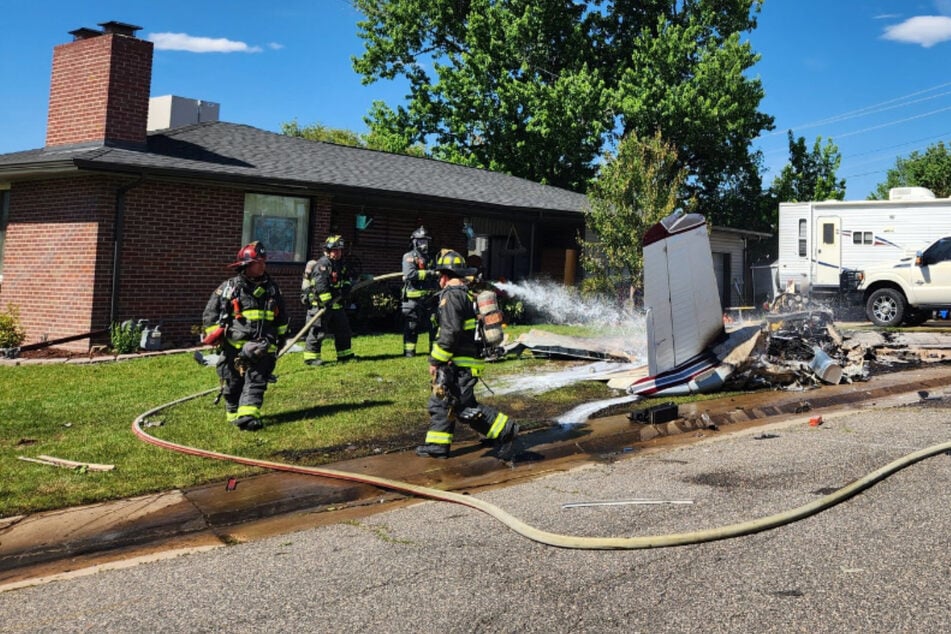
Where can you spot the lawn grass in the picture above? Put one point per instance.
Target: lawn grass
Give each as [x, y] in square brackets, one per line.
[83, 412]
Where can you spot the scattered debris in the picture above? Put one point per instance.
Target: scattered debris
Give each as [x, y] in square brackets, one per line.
[815, 421]
[153, 423]
[68, 464]
[232, 484]
[549, 345]
[925, 396]
[765, 436]
[657, 414]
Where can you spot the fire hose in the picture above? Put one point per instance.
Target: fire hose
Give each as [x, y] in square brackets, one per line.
[545, 537]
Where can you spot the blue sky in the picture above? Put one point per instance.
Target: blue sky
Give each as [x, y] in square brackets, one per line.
[871, 74]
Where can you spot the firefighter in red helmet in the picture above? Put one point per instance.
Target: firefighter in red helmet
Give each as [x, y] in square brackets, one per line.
[455, 364]
[246, 318]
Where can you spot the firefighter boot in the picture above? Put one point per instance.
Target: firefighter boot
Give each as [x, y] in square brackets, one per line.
[506, 446]
[247, 423]
[432, 451]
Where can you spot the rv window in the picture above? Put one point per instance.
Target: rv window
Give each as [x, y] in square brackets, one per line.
[802, 238]
[828, 233]
[862, 237]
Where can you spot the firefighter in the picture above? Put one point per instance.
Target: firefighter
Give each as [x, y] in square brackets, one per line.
[420, 284]
[246, 318]
[326, 286]
[455, 364]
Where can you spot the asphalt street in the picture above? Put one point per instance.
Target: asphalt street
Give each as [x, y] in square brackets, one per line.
[880, 562]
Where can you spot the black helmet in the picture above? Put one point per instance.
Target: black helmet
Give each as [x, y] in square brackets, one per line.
[333, 242]
[420, 240]
[453, 264]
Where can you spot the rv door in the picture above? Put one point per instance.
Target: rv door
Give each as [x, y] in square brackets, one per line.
[828, 257]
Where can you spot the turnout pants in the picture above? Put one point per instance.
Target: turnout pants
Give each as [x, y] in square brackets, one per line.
[243, 394]
[334, 323]
[418, 316]
[460, 402]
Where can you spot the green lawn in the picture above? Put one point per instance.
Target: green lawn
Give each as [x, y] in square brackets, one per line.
[312, 415]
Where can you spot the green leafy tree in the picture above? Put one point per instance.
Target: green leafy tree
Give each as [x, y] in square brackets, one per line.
[809, 174]
[635, 189]
[931, 169]
[685, 75]
[341, 136]
[540, 89]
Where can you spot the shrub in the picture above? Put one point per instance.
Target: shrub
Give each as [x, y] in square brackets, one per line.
[12, 333]
[376, 308]
[125, 336]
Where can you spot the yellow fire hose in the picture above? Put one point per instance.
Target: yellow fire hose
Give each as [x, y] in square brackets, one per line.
[517, 525]
[545, 537]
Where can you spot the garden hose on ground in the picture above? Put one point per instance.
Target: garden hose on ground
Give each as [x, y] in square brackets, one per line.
[545, 537]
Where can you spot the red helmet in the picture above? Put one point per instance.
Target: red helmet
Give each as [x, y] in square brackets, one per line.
[247, 254]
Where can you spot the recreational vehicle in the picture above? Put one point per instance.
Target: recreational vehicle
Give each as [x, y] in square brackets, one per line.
[819, 241]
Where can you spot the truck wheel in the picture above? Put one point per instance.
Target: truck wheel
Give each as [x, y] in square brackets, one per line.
[915, 317]
[885, 307]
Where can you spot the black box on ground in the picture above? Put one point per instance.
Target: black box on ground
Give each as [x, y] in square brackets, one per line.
[656, 414]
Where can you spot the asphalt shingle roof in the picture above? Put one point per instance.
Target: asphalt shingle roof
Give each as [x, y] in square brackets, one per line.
[228, 150]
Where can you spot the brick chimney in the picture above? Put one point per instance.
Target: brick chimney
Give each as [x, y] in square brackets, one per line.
[99, 89]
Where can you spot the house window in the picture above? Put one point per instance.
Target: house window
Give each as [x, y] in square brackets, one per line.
[4, 216]
[862, 237]
[279, 223]
[802, 238]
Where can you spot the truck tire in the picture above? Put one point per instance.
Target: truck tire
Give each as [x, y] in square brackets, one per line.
[886, 307]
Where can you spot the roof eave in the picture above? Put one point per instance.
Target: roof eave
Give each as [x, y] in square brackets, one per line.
[313, 186]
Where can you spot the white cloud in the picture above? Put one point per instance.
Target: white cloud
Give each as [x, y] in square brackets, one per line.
[274, 46]
[926, 30]
[193, 44]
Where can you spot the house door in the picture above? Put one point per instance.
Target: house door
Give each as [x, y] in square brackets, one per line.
[828, 255]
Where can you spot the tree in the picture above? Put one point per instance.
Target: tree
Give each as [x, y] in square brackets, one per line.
[320, 132]
[635, 189]
[340, 136]
[931, 169]
[809, 175]
[684, 75]
[541, 89]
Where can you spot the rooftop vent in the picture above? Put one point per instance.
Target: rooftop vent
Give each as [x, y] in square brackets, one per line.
[170, 111]
[910, 193]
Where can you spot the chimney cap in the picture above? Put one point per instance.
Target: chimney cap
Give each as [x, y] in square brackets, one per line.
[120, 28]
[84, 33]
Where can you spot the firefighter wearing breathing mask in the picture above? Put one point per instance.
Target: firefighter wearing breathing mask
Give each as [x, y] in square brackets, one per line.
[326, 286]
[246, 318]
[420, 283]
[455, 364]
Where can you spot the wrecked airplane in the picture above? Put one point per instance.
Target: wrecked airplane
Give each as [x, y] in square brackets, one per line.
[689, 350]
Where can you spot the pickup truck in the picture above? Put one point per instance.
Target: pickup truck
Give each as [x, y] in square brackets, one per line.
[908, 291]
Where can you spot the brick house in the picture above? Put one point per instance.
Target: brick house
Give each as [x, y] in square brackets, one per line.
[109, 222]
